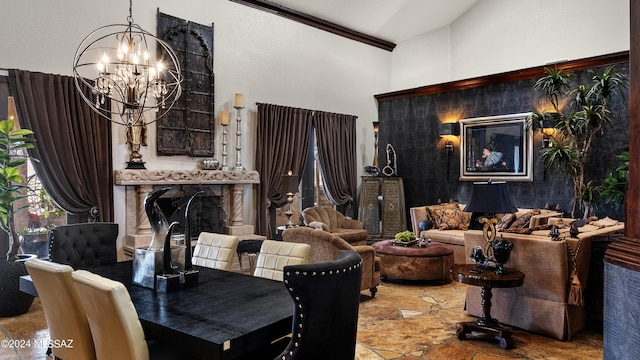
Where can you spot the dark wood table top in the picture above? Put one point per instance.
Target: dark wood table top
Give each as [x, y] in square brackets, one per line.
[225, 316]
[467, 274]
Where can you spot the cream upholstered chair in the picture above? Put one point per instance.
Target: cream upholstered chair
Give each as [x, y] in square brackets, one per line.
[65, 314]
[275, 255]
[215, 251]
[115, 327]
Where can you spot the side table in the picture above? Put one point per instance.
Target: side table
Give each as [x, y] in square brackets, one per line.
[487, 279]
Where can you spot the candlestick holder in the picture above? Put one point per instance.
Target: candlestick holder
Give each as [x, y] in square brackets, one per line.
[225, 166]
[239, 139]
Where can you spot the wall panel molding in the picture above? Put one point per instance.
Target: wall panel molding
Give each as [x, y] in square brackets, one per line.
[530, 73]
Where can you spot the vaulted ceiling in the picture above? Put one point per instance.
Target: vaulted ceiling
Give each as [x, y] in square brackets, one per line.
[391, 20]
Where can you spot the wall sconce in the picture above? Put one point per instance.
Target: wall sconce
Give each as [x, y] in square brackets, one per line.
[449, 129]
[376, 128]
[547, 134]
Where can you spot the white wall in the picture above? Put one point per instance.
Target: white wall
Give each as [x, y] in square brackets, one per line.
[267, 58]
[496, 36]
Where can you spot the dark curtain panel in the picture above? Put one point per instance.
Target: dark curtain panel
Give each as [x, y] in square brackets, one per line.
[73, 143]
[283, 135]
[336, 141]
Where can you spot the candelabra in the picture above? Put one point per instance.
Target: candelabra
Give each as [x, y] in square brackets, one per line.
[238, 139]
[289, 185]
[225, 166]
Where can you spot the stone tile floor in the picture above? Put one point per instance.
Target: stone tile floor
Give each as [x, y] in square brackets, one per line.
[403, 322]
[418, 321]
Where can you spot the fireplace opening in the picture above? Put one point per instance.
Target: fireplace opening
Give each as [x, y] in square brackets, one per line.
[205, 213]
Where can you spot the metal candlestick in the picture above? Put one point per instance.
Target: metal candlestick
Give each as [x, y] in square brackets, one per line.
[238, 139]
[225, 166]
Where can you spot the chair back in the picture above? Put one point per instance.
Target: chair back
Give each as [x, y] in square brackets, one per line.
[215, 251]
[275, 255]
[326, 298]
[325, 246]
[84, 245]
[116, 329]
[65, 314]
[326, 215]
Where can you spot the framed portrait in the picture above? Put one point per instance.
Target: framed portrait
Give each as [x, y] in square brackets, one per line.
[499, 148]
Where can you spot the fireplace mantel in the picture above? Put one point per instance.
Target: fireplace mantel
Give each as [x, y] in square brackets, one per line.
[179, 177]
[139, 183]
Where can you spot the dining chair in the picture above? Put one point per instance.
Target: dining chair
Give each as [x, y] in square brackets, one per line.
[115, 327]
[275, 255]
[215, 251]
[84, 245]
[326, 297]
[63, 309]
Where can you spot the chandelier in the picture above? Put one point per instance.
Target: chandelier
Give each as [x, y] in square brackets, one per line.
[115, 61]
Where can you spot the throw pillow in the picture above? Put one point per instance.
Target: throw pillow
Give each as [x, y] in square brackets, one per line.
[604, 222]
[523, 221]
[431, 210]
[451, 219]
[506, 221]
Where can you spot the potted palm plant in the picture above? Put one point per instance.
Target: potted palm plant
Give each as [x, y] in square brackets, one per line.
[578, 114]
[13, 146]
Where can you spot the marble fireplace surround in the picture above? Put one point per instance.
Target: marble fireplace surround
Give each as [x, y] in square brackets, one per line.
[229, 185]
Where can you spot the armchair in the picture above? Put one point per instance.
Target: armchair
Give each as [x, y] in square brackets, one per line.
[334, 222]
[326, 247]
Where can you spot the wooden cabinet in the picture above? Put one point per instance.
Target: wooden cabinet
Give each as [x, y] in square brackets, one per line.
[381, 207]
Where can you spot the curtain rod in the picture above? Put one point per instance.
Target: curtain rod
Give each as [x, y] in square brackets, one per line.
[313, 112]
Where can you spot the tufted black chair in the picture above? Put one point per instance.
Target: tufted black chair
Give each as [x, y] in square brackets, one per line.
[326, 297]
[84, 245]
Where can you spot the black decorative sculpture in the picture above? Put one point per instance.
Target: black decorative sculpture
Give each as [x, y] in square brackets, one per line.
[157, 219]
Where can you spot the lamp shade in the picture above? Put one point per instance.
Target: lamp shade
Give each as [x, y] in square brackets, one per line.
[490, 197]
[449, 129]
[289, 183]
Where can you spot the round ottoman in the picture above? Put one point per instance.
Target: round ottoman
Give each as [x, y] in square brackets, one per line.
[413, 262]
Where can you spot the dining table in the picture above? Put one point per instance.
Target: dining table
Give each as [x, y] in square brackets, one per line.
[227, 315]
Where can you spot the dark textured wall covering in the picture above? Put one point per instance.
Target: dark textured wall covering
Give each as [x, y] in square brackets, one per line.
[411, 126]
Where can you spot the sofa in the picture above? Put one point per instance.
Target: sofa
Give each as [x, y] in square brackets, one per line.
[326, 247]
[331, 220]
[541, 304]
[454, 237]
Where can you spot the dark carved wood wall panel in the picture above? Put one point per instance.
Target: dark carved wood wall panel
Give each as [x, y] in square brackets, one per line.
[188, 129]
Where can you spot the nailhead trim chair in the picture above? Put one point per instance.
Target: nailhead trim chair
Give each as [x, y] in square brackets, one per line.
[275, 255]
[84, 245]
[326, 298]
[215, 251]
[63, 309]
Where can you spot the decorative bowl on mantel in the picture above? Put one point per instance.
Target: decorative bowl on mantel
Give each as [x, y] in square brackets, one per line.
[208, 164]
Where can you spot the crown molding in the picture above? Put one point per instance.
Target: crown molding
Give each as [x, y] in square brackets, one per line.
[530, 73]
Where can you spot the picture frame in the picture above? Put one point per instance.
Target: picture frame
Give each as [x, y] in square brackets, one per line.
[499, 148]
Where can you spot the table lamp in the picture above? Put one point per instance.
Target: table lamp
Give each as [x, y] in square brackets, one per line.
[491, 198]
[289, 185]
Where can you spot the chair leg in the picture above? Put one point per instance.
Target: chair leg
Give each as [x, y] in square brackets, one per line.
[373, 290]
[240, 262]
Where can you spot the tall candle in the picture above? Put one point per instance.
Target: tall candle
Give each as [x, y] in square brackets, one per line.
[224, 118]
[238, 102]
